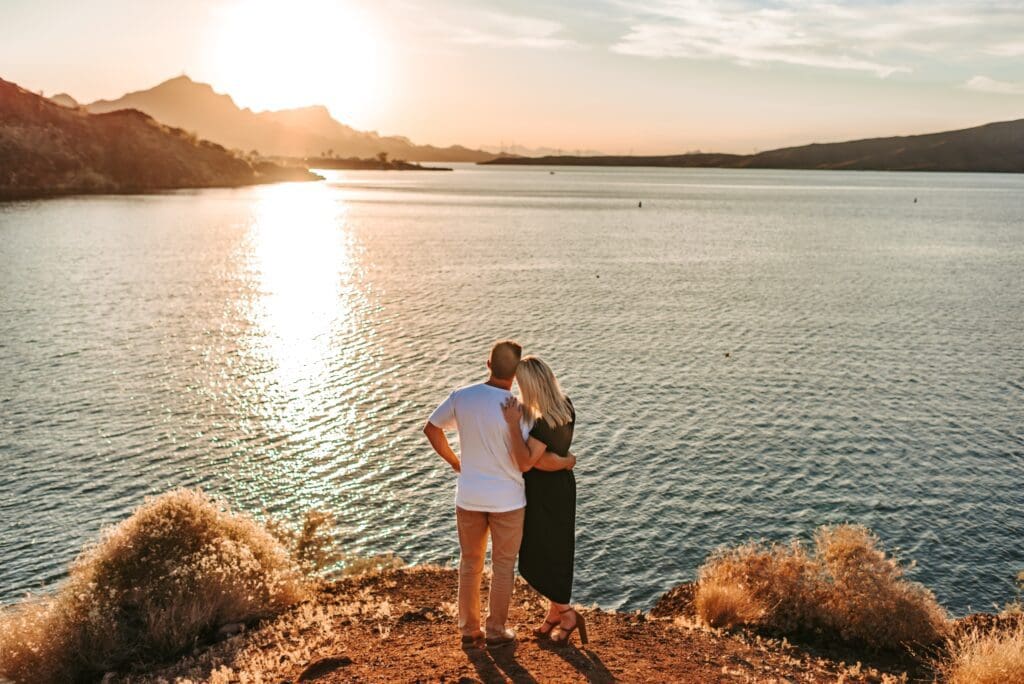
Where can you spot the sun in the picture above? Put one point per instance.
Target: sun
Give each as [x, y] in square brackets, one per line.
[277, 55]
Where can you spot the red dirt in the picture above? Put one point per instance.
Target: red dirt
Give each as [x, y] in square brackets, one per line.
[412, 637]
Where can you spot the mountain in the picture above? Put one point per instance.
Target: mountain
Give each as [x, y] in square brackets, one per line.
[514, 150]
[994, 147]
[65, 100]
[49, 149]
[303, 132]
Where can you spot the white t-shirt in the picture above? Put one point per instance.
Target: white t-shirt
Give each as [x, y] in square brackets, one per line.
[489, 480]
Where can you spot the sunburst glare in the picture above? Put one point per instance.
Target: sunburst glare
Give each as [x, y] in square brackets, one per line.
[272, 55]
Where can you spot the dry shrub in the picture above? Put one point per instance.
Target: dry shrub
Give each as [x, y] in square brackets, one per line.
[1015, 608]
[847, 588]
[994, 656]
[775, 585]
[868, 599]
[315, 547]
[154, 585]
[726, 605]
[358, 565]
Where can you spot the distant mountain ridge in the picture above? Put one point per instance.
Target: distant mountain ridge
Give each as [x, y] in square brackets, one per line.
[994, 147]
[515, 150]
[64, 100]
[302, 132]
[47, 148]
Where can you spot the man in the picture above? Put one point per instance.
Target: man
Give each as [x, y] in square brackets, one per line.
[490, 495]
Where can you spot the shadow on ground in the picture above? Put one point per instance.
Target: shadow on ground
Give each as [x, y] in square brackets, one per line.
[499, 665]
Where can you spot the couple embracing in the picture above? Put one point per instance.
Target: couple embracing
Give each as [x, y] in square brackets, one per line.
[515, 482]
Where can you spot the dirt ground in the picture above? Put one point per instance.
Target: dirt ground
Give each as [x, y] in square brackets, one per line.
[400, 626]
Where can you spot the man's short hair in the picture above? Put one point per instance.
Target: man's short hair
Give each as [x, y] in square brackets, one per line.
[505, 355]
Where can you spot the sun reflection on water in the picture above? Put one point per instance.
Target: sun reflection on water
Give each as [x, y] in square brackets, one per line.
[300, 255]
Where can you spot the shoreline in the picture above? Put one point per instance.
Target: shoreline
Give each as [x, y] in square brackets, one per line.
[582, 162]
[185, 590]
[128, 192]
[989, 148]
[357, 164]
[48, 150]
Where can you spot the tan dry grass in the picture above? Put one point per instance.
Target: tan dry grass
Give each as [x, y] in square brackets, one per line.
[868, 599]
[274, 651]
[776, 585]
[154, 584]
[726, 605]
[846, 587]
[316, 548]
[994, 656]
[313, 545]
[1016, 607]
[358, 565]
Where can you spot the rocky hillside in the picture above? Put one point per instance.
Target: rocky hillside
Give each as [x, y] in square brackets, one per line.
[995, 147]
[50, 149]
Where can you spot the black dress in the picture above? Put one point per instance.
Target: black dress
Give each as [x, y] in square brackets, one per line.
[549, 528]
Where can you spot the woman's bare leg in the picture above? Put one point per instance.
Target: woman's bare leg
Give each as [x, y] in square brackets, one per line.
[566, 617]
[551, 619]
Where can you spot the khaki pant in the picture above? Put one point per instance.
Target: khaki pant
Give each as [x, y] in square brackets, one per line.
[506, 534]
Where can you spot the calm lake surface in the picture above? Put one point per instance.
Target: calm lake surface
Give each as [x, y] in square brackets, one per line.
[751, 354]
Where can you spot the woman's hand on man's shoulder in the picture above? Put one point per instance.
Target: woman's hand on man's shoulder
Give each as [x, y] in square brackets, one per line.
[512, 410]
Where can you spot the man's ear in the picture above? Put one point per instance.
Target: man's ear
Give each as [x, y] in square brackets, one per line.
[488, 364]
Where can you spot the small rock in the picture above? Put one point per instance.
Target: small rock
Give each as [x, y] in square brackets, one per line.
[319, 668]
[676, 602]
[421, 615]
[230, 630]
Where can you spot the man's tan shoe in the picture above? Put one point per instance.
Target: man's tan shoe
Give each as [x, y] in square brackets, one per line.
[502, 639]
[469, 642]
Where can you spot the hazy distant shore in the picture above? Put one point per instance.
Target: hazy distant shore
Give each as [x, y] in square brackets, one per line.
[992, 148]
[358, 164]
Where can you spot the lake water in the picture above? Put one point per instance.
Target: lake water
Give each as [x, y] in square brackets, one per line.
[751, 353]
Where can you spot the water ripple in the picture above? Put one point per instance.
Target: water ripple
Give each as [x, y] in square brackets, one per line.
[752, 354]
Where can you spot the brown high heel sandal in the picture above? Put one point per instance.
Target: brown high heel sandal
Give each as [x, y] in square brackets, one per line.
[581, 624]
[539, 632]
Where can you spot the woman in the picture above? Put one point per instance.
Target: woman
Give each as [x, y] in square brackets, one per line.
[549, 529]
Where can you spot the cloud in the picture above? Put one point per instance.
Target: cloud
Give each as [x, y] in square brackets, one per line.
[984, 84]
[877, 37]
[1007, 49]
[497, 29]
[740, 45]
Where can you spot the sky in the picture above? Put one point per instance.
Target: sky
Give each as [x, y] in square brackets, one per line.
[619, 76]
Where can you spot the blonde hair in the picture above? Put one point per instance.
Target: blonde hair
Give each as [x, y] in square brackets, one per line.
[542, 395]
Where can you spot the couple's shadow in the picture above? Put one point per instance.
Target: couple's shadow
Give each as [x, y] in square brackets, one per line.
[500, 664]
